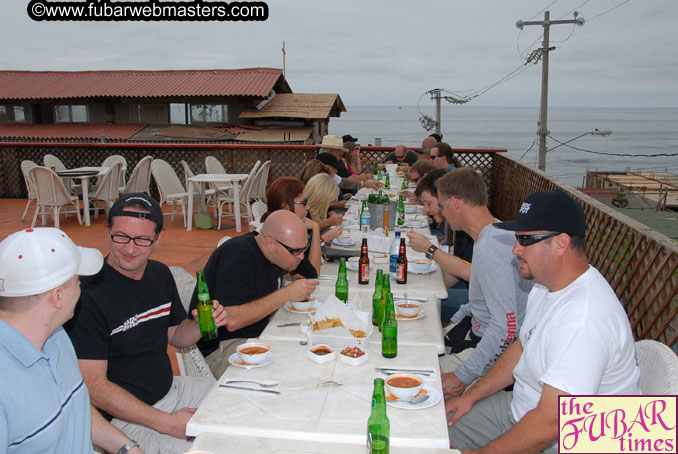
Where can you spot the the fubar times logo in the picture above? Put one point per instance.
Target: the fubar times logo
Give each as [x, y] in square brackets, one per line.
[617, 424]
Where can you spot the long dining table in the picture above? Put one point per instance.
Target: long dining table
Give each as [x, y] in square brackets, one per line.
[326, 406]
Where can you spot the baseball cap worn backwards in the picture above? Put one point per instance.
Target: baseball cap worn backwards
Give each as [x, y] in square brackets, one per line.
[145, 200]
[35, 260]
[554, 211]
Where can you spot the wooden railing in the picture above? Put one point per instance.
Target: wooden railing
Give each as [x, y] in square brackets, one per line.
[640, 264]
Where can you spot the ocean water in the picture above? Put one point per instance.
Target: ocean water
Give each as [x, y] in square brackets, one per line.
[648, 131]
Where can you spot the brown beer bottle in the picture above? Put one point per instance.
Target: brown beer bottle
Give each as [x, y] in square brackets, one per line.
[401, 264]
[364, 265]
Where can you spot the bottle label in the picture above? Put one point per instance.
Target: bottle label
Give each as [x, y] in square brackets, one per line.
[401, 272]
[364, 273]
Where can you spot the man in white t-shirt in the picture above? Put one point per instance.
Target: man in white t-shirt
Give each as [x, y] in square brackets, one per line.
[575, 339]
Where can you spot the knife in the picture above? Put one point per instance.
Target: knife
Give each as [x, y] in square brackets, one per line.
[289, 324]
[411, 371]
[421, 300]
[272, 391]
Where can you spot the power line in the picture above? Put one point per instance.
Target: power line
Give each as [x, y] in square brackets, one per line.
[607, 11]
[612, 154]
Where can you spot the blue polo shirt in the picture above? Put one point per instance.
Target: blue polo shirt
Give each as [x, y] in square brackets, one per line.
[44, 403]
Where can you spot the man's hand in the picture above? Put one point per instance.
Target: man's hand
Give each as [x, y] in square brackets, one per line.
[418, 242]
[459, 406]
[218, 313]
[332, 234]
[301, 289]
[452, 386]
[176, 424]
[373, 184]
[335, 219]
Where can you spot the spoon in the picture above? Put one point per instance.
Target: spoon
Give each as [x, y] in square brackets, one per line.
[418, 399]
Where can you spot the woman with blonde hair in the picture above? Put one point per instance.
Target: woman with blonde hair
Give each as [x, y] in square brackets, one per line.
[322, 191]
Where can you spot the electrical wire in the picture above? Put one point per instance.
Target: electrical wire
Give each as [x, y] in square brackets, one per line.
[612, 154]
[607, 11]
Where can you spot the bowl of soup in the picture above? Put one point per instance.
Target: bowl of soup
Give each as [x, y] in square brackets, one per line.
[408, 308]
[404, 386]
[253, 352]
[304, 305]
[421, 265]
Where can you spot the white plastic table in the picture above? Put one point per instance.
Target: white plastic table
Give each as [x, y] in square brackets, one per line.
[203, 178]
[84, 174]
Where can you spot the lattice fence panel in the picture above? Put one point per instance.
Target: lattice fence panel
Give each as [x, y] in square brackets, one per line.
[640, 264]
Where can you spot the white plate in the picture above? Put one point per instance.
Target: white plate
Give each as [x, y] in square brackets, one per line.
[360, 197]
[343, 242]
[288, 307]
[234, 360]
[401, 318]
[431, 269]
[420, 224]
[434, 397]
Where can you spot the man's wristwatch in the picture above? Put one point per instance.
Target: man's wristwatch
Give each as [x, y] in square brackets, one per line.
[432, 250]
[127, 447]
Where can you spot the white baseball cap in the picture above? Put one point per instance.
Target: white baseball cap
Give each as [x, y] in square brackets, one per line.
[33, 261]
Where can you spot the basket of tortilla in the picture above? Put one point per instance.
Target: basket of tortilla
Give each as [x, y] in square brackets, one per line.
[337, 325]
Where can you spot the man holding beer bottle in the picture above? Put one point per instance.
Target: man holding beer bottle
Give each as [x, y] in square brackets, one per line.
[128, 314]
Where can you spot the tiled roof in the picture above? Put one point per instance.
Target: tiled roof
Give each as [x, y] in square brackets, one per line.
[15, 85]
[277, 135]
[299, 105]
[69, 131]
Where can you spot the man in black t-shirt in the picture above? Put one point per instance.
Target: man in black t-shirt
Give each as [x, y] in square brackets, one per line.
[127, 315]
[244, 274]
[401, 156]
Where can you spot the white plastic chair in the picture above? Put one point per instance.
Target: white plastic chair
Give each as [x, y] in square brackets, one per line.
[26, 166]
[222, 240]
[209, 193]
[169, 186]
[113, 159]
[244, 198]
[140, 180]
[658, 368]
[107, 190]
[212, 165]
[259, 208]
[189, 359]
[259, 192]
[52, 193]
[55, 164]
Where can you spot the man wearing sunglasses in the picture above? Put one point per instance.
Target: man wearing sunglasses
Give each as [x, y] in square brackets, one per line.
[443, 157]
[128, 314]
[576, 338]
[245, 275]
[486, 326]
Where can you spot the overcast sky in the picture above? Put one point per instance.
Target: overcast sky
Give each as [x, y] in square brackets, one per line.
[389, 52]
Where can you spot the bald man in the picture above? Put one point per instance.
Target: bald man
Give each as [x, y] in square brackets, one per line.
[245, 275]
[401, 156]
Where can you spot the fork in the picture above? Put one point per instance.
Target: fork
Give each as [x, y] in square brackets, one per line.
[263, 385]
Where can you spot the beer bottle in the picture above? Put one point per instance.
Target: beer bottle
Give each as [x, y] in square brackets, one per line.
[406, 180]
[385, 290]
[364, 265]
[401, 210]
[376, 167]
[401, 264]
[208, 329]
[387, 183]
[378, 426]
[376, 296]
[386, 217]
[341, 288]
[379, 175]
[389, 330]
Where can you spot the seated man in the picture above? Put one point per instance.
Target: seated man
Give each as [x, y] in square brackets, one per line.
[401, 156]
[245, 274]
[443, 157]
[44, 404]
[576, 338]
[487, 325]
[129, 312]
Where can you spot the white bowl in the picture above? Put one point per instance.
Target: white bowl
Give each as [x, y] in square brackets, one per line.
[410, 209]
[303, 305]
[412, 309]
[421, 265]
[253, 358]
[417, 224]
[354, 361]
[352, 263]
[320, 359]
[347, 222]
[346, 240]
[380, 258]
[403, 393]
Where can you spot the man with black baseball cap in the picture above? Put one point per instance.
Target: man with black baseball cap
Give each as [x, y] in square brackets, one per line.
[575, 338]
[129, 312]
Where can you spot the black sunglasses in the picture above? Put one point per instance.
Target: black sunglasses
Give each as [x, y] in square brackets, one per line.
[294, 251]
[302, 202]
[529, 240]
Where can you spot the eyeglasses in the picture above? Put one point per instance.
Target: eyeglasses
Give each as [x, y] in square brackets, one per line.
[529, 240]
[302, 202]
[433, 156]
[294, 251]
[139, 241]
[440, 203]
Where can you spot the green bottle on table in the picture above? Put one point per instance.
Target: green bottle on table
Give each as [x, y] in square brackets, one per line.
[341, 287]
[378, 426]
[401, 210]
[376, 296]
[387, 183]
[406, 180]
[389, 330]
[376, 167]
[385, 290]
[208, 329]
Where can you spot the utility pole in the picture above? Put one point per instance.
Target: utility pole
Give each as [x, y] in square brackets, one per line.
[545, 49]
[436, 93]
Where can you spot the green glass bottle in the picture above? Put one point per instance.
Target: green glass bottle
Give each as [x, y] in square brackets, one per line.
[376, 296]
[208, 329]
[389, 330]
[385, 290]
[378, 426]
[379, 175]
[401, 210]
[406, 180]
[376, 167]
[387, 183]
[341, 287]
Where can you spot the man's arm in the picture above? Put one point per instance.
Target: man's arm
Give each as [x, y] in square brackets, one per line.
[247, 314]
[449, 262]
[536, 431]
[107, 436]
[121, 404]
[498, 377]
